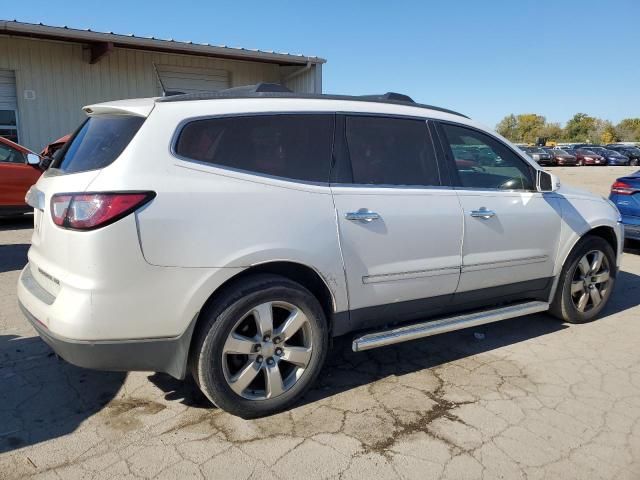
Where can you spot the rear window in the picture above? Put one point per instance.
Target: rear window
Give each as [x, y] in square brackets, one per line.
[98, 142]
[295, 146]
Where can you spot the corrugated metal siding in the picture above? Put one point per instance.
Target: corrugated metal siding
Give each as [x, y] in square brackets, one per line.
[308, 81]
[63, 81]
[181, 79]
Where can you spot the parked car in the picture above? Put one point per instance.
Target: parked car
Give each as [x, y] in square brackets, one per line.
[561, 157]
[632, 153]
[611, 156]
[587, 157]
[54, 146]
[19, 169]
[231, 235]
[539, 155]
[625, 193]
[50, 150]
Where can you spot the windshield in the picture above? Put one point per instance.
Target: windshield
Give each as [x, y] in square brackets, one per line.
[98, 142]
[558, 151]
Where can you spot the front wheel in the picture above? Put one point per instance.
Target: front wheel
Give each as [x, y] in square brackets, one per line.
[633, 162]
[586, 281]
[260, 347]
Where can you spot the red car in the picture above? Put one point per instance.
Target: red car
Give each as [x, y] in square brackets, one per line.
[587, 157]
[19, 169]
[53, 147]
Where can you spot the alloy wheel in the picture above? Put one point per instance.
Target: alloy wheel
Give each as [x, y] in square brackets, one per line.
[590, 281]
[267, 351]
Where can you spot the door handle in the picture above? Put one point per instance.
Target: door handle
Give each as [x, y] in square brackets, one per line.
[363, 215]
[483, 213]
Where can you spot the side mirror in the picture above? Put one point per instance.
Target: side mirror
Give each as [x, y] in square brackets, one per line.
[547, 182]
[33, 159]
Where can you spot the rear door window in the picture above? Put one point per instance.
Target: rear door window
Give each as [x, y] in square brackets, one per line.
[391, 151]
[98, 142]
[293, 146]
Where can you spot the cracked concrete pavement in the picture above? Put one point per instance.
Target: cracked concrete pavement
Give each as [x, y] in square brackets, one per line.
[532, 399]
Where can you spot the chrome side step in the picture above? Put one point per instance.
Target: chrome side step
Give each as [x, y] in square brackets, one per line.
[435, 327]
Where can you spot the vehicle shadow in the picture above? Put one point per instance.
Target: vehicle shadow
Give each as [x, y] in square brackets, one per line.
[13, 257]
[632, 247]
[42, 397]
[17, 222]
[626, 293]
[346, 370]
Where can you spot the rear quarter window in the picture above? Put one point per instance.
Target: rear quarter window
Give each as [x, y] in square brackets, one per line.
[98, 142]
[292, 146]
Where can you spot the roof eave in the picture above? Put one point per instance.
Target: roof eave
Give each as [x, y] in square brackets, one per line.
[141, 43]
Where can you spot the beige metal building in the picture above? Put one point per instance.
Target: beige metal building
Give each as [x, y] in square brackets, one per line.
[48, 73]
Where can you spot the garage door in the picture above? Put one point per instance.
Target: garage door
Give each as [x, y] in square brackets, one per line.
[8, 105]
[192, 79]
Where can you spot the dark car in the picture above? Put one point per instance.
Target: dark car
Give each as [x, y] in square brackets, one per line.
[562, 157]
[539, 155]
[613, 158]
[632, 153]
[625, 193]
[587, 157]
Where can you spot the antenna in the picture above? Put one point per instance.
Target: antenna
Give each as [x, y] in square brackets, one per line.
[164, 90]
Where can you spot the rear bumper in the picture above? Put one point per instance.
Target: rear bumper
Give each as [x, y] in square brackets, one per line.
[167, 355]
[65, 320]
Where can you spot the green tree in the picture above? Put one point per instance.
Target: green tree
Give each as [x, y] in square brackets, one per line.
[579, 128]
[508, 127]
[629, 130]
[553, 132]
[609, 133]
[530, 127]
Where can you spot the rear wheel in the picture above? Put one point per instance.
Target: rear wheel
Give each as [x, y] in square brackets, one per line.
[586, 281]
[260, 347]
[633, 162]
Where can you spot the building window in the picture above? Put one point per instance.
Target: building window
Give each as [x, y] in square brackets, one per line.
[8, 125]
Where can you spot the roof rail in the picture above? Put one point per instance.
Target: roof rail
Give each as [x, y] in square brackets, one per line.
[393, 96]
[274, 90]
[262, 87]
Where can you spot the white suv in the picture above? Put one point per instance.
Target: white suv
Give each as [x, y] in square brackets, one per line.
[231, 235]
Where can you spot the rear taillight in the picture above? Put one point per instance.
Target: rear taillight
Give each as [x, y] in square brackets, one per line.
[622, 188]
[87, 211]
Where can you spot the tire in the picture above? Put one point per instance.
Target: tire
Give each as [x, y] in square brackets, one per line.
[273, 383]
[633, 162]
[579, 163]
[567, 306]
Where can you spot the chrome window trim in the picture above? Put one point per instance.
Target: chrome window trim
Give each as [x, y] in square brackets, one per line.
[178, 130]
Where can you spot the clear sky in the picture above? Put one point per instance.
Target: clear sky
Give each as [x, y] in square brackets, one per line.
[483, 58]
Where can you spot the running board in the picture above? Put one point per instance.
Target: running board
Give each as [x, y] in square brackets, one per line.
[435, 327]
